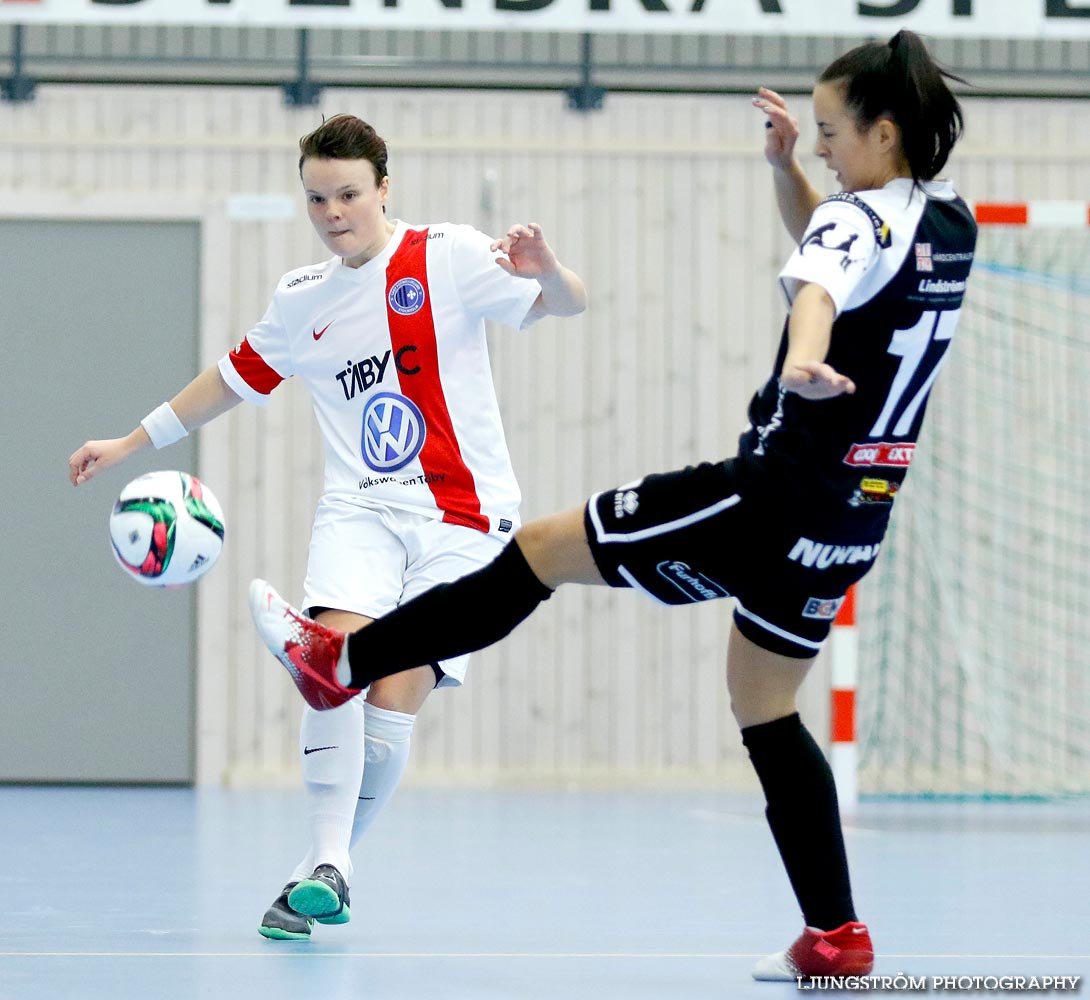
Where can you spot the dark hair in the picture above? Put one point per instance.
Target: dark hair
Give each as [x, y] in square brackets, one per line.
[345, 137]
[899, 80]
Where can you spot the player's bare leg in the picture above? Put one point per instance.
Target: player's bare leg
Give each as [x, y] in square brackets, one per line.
[557, 550]
[762, 685]
[802, 812]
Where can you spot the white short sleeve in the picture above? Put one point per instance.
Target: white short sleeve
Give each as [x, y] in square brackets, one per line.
[262, 361]
[842, 243]
[486, 289]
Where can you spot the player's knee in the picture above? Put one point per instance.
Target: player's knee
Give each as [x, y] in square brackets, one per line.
[755, 700]
[757, 711]
[403, 692]
[532, 540]
[541, 548]
[556, 550]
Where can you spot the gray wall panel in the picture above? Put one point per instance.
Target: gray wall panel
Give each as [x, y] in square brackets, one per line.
[99, 319]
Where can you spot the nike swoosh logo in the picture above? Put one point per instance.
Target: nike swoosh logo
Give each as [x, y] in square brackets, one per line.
[317, 334]
[307, 750]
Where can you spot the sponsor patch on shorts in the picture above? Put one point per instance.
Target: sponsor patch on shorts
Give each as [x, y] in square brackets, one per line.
[696, 586]
[822, 608]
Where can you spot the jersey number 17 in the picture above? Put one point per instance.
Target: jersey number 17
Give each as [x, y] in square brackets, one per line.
[922, 350]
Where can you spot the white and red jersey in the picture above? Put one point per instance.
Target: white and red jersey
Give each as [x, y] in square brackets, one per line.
[396, 360]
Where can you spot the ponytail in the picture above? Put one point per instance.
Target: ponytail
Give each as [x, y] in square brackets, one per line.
[901, 81]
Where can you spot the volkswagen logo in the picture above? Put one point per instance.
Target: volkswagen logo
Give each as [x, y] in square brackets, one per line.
[393, 432]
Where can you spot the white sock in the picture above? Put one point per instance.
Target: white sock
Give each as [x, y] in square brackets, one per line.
[389, 735]
[332, 746]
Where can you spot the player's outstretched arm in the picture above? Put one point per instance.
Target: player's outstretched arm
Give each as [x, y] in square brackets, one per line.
[796, 197]
[530, 256]
[809, 330]
[204, 399]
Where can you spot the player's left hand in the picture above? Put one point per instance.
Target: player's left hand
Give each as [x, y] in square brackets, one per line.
[781, 129]
[815, 380]
[528, 253]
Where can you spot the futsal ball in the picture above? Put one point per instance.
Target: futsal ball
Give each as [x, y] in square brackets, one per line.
[166, 529]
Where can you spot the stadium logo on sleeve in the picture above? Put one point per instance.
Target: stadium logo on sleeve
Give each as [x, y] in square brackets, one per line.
[393, 432]
[406, 297]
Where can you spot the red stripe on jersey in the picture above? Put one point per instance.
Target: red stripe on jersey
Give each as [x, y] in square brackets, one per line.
[252, 369]
[456, 492]
[1002, 214]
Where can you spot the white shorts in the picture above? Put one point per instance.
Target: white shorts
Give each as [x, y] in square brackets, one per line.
[368, 559]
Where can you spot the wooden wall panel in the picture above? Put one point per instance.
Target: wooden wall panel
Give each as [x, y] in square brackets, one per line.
[664, 204]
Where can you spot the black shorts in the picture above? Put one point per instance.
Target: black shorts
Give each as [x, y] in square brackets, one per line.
[695, 535]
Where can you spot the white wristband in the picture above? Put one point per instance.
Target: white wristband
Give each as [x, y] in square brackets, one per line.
[163, 426]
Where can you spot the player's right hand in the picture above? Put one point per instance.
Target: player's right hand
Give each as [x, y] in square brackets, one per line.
[528, 253]
[781, 130]
[93, 457]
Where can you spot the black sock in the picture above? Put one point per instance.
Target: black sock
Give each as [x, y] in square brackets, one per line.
[805, 818]
[448, 620]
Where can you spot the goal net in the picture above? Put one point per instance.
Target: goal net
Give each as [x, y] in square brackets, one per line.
[975, 624]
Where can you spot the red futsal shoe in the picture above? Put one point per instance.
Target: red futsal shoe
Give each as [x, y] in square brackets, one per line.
[308, 650]
[846, 951]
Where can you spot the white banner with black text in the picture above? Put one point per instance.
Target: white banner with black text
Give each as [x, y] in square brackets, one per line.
[933, 18]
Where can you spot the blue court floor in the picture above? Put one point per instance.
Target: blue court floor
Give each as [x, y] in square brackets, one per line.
[156, 894]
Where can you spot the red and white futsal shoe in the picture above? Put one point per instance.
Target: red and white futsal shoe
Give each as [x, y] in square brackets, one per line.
[308, 650]
[845, 951]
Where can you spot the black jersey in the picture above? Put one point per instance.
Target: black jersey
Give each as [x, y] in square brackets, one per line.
[895, 262]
